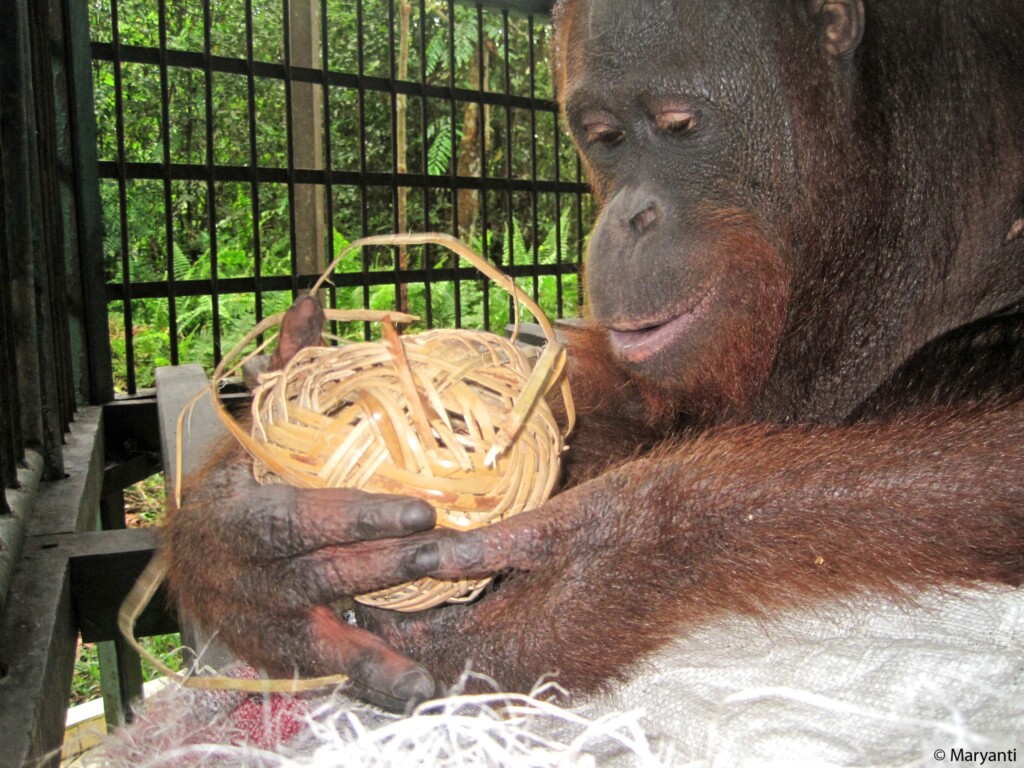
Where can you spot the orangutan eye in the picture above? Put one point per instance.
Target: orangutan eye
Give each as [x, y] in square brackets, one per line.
[604, 133]
[676, 121]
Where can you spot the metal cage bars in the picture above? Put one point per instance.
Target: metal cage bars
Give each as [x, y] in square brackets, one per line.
[495, 189]
[43, 302]
[54, 352]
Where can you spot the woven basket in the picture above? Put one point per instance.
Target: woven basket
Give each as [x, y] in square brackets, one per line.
[457, 418]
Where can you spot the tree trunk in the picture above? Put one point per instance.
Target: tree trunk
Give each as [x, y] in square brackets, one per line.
[471, 160]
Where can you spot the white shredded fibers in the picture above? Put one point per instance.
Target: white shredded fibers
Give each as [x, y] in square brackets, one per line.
[497, 729]
[869, 682]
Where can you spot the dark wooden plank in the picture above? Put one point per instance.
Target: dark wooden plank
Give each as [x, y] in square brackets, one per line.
[104, 567]
[132, 425]
[72, 504]
[120, 664]
[120, 679]
[17, 130]
[175, 388]
[37, 654]
[123, 473]
[64, 581]
[37, 628]
[530, 334]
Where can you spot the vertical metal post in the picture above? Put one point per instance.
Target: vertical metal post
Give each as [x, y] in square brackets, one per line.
[510, 219]
[165, 140]
[31, 320]
[483, 115]
[455, 161]
[364, 227]
[122, 198]
[327, 191]
[254, 178]
[211, 183]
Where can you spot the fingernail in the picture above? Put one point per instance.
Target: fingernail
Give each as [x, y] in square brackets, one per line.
[418, 516]
[415, 684]
[428, 558]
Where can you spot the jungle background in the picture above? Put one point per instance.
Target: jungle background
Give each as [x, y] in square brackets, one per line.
[228, 229]
[177, 233]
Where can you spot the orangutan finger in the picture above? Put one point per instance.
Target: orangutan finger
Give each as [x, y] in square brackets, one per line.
[379, 673]
[302, 326]
[280, 521]
[514, 543]
[347, 515]
[333, 573]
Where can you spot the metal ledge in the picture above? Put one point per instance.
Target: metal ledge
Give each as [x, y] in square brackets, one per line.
[542, 7]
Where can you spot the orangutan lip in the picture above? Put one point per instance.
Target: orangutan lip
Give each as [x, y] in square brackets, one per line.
[635, 345]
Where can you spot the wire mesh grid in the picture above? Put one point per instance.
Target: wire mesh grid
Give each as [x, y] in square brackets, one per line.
[241, 142]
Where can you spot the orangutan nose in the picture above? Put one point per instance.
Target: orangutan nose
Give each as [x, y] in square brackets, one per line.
[646, 218]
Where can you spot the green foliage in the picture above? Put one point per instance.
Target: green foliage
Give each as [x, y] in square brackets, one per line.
[145, 501]
[85, 682]
[191, 231]
[439, 155]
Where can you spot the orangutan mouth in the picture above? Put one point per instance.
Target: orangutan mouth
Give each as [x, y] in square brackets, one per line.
[639, 342]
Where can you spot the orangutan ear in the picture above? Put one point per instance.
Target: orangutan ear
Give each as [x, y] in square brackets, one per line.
[842, 24]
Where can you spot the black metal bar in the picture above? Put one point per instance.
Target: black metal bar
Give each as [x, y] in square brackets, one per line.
[289, 122]
[454, 162]
[211, 187]
[393, 185]
[133, 54]
[535, 223]
[254, 176]
[122, 199]
[238, 173]
[325, 60]
[428, 264]
[519, 6]
[510, 221]
[484, 127]
[362, 185]
[240, 285]
[165, 138]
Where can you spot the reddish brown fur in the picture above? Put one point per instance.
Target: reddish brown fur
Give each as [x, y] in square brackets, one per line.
[761, 518]
[730, 473]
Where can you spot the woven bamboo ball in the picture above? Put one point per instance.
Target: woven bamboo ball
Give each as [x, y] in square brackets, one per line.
[419, 419]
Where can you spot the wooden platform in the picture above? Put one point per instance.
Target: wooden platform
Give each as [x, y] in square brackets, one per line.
[71, 577]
